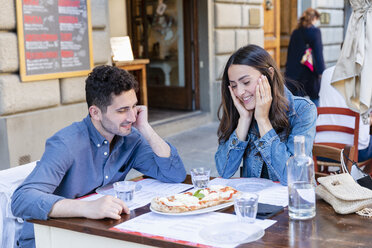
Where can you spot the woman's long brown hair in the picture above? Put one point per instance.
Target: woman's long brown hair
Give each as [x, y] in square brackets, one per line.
[261, 60]
[307, 18]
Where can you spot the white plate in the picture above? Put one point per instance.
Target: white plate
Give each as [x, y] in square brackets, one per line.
[232, 233]
[200, 211]
[109, 189]
[250, 184]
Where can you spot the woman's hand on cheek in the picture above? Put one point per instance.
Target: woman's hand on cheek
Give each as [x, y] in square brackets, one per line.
[243, 112]
[263, 100]
[245, 117]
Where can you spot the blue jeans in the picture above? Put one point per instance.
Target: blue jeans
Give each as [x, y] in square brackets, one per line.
[365, 154]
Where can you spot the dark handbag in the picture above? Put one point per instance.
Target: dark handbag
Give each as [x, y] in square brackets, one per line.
[358, 175]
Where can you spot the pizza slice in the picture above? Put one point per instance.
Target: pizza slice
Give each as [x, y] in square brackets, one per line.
[188, 201]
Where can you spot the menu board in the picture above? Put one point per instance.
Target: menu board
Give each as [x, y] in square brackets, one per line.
[54, 38]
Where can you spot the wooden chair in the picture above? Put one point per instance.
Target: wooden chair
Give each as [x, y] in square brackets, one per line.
[326, 151]
[338, 128]
[343, 129]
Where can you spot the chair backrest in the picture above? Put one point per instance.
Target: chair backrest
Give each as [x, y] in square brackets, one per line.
[333, 153]
[339, 128]
[10, 179]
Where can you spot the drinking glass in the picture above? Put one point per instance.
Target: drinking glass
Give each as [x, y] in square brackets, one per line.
[245, 206]
[124, 190]
[200, 177]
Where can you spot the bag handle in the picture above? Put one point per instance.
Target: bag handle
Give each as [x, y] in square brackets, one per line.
[343, 166]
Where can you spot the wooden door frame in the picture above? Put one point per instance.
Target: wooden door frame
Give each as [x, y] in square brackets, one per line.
[174, 97]
[286, 28]
[271, 43]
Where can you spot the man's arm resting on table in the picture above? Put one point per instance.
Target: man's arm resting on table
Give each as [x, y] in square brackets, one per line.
[158, 145]
[104, 207]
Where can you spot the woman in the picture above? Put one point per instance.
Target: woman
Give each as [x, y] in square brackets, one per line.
[260, 118]
[306, 35]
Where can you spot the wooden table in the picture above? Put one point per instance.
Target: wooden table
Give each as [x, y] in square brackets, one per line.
[327, 229]
[137, 65]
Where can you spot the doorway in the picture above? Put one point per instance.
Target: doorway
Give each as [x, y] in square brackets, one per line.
[280, 19]
[165, 31]
[288, 23]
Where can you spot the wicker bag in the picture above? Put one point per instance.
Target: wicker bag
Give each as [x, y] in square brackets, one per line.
[343, 193]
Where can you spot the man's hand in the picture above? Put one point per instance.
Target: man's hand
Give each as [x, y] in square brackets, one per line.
[104, 207]
[141, 119]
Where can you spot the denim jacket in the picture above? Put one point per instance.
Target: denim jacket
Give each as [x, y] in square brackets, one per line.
[273, 149]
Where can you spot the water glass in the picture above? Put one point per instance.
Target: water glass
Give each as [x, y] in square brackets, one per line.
[245, 206]
[200, 177]
[124, 190]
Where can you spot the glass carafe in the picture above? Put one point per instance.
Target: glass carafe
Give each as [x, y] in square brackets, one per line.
[301, 188]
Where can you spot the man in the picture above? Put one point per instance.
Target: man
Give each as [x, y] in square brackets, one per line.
[330, 97]
[99, 150]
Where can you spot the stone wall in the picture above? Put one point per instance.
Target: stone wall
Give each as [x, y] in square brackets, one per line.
[232, 30]
[31, 112]
[332, 33]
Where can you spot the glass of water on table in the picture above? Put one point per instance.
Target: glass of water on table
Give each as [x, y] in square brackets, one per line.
[200, 177]
[124, 190]
[245, 206]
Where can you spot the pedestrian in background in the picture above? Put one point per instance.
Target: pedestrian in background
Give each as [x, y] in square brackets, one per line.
[260, 118]
[304, 78]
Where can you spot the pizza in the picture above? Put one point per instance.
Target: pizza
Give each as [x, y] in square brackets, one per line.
[188, 201]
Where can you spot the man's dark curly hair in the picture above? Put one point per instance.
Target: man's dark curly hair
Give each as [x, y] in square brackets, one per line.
[104, 82]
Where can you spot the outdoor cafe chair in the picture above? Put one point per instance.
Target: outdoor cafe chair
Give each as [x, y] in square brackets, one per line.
[331, 153]
[10, 226]
[341, 129]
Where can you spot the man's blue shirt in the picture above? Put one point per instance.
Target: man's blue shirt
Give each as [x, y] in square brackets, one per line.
[77, 160]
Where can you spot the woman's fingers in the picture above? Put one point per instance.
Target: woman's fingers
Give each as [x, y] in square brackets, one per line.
[235, 99]
[232, 94]
[259, 91]
[267, 87]
[264, 89]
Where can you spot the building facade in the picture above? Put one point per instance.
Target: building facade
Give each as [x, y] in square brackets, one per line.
[188, 45]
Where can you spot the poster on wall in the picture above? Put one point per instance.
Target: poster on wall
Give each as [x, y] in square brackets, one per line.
[54, 38]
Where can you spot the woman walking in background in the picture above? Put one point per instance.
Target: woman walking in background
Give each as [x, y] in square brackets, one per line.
[305, 36]
[260, 118]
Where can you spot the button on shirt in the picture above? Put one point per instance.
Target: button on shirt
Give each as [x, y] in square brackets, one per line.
[77, 160]
[273, 148]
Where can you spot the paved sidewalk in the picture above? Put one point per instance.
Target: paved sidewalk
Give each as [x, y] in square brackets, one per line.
[197, 146]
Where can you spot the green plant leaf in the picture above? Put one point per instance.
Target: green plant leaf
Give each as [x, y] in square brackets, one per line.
[198, 194]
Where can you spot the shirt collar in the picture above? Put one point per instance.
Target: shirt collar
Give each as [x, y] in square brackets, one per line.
[94, 135]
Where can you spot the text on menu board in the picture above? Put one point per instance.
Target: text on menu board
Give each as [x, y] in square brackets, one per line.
[54, 38]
